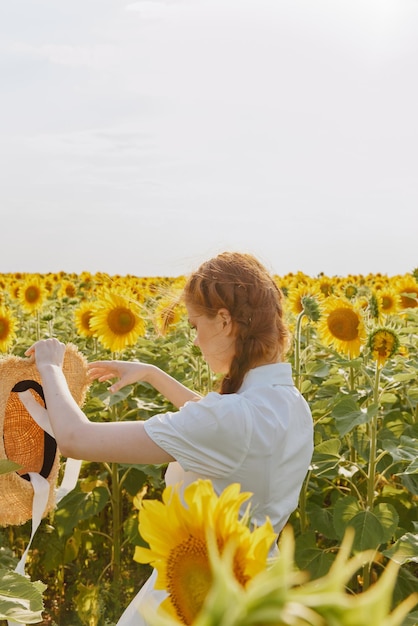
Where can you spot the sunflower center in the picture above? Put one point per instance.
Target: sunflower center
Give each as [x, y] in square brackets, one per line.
[343, 324]
[70, 291]
[384, 344]
[239, 573]
[32, 294]
[326, 288]
[387, 303]
[121, 320]
[85, 320]
[4, 328]
[189, 578]
[350, 291]
[409, 299]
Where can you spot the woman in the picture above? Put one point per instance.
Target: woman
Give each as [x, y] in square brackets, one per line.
[256, 431]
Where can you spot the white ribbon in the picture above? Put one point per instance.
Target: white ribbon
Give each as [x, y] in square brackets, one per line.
[40, 484]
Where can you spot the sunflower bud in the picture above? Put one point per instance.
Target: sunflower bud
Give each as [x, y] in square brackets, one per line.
[311, 308]
[383, 344]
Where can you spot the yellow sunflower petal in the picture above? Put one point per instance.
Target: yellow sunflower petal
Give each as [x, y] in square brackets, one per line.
[176, 529]
[117, 321]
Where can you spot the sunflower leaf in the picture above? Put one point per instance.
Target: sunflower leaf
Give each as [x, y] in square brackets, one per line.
[348, 414]
[20, 599]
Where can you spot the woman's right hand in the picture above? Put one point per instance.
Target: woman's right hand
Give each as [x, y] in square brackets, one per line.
[126, 372]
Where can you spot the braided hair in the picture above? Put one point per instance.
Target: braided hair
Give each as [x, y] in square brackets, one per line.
[239, 283]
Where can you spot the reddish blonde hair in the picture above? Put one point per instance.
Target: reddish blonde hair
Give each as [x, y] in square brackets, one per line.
[239, 283]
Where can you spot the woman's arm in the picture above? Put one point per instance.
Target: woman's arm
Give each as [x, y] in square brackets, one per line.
[129, 372]
[77, 437]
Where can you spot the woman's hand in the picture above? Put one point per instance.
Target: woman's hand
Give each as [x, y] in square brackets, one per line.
[126, 372]
[47, 352]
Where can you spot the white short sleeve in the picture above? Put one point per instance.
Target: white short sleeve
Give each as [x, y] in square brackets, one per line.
[211, 436]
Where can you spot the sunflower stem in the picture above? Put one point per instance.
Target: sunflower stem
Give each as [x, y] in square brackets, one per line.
[38, 325]
[371, 478]
[353, 452]
[297, 348]
[116, 525]
[302, 504]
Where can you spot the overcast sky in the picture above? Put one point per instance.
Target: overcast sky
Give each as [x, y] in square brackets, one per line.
[143, 137]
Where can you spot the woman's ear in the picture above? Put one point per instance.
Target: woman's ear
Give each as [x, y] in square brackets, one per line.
[225, 317]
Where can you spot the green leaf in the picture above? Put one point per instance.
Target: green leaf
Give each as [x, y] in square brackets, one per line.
[345, 509]
[110, 399]
[348, 414]
[413, 395]
[20, 599]
[6, 466]
[89, 602]
[309, 557]
[319, 369]
[326, 458]
[133, 480]
[77, 506]
[405, 549]
[388, 398]
[369, 532]
[411, 619]
[406, 449]
[72, 547]
[405, 585]
[305, 386]
[7, 559]
[327, 448]
[411, 469]
[320, 518]
[388, 518]
[372, 528]
[410, 482]
[405, 377]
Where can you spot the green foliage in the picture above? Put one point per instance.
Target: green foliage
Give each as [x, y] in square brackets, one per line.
[20, 600]
[364, 471]
[364, 468]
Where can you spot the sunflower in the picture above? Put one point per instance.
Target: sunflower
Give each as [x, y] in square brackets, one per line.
[181, 556]
[342, 326]
[389, 300]
[326, 285]
[82, 318]
[7, 329]
[68, 289]
[383, 344]
[307, 299]
[408, 291]
[168, 313]
[32, 293]
[117, 321]
[350, 290]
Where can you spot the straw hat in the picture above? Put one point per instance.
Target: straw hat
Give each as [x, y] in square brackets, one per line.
[22, 440]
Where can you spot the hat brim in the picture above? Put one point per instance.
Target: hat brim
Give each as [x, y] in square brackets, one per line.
[16, 491]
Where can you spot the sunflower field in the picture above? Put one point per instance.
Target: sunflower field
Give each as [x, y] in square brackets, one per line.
[355, 359]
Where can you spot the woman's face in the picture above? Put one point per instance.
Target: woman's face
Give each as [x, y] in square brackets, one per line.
[215, 338]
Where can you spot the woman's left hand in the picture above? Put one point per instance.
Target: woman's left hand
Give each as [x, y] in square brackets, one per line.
[47, 352]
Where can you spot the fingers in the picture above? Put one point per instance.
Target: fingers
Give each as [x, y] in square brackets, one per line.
[101, 371]
[44, 343]
[46, 351]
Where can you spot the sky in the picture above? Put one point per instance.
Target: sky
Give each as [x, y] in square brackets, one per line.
[142, 137]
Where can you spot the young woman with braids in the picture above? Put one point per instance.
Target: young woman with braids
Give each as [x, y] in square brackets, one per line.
[256, 430]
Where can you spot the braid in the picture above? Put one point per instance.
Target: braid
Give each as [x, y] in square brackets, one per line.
[242, 285]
